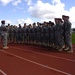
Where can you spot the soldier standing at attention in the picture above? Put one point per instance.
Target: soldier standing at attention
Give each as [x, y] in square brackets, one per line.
[33, 33]
[58, 34]
[15, 34]
[8, 26]
[38, 34]
[51, 34]
[4, 35]
[19, 34]
[67, 34]
[11, 31]
[46, 34]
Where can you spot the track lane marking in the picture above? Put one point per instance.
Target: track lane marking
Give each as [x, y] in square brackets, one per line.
[46, 54]
[3, 72]
[39, 64]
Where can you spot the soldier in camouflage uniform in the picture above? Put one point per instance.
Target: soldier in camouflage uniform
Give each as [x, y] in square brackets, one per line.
[51, 34]
[58, 34]
[15, 34]
[4, 30]
[46, 34]
[24, 30]
[38, 34]
[29, 33]
[33, 33]
[67, 34]
[42, 34]
[11, 34]
[8, 26]
[20, 34]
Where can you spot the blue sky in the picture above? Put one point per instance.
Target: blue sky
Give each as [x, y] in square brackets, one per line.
[29, 11]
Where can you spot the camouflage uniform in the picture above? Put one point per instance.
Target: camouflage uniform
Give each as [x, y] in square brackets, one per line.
[67, 34]
[51, 34]
[58, 34]
[3, 30]
[29, 33]
[46, 34]
[42, 35]
[20, 34]
[38, 34]
[34, 33]
[16, 34]
[11, 34]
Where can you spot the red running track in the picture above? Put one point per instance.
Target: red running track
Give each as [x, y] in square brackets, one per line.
[22, 59]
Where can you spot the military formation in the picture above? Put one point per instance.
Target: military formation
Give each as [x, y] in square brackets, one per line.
[56, 35]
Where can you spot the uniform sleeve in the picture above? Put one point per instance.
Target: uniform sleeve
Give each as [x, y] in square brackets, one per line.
[61, 29]
[69, 28]
[3, 28]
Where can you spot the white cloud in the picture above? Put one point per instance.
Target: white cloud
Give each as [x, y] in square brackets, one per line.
[72, 16]
[56, 1]
[47, 11]
[19, 21]
[41, 10]
[29, 2]
[8, 21]
[5, 2]
[22, 21]
[28, 21]
[16, 2]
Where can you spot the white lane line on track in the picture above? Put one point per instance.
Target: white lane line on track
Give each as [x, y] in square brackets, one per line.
[3, 72]
[46, 54]
[39, 64]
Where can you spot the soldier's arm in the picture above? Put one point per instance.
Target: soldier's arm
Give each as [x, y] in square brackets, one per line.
[68, 32]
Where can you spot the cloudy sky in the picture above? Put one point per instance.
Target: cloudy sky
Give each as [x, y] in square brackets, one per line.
[29, 11]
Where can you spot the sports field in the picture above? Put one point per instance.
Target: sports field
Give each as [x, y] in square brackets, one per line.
[73, 38]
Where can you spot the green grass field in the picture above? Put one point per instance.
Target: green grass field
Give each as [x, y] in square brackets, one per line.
[73, 38]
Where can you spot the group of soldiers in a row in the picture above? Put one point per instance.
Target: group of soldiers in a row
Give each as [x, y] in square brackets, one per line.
[56, 35]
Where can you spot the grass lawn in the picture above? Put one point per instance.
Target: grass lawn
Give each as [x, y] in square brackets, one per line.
[73, 38]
